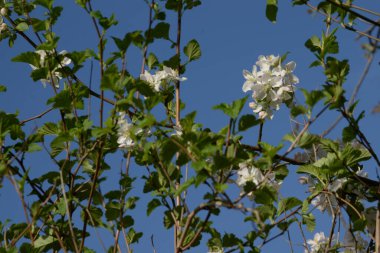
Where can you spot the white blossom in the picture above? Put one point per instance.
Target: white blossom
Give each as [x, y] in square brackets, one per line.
[318, 244]
[271, 84]
[178, 131]
[124, 132]
[155, 80]
[325, 200]
[4, 11]
[362, 173]
[3, 27]
[54, 75]
[248, 173]
[171, 74]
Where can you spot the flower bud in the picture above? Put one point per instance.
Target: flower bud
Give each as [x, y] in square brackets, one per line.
[3, 27]
[3, 11]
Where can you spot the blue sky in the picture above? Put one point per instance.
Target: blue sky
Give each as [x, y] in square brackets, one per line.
[232, 34]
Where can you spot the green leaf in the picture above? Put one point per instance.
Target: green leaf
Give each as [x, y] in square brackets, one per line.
[161, 31]
[271, 10]
[127, 221]
[153, 204]
[311, 170]
[152, 61]
[132, 236]
[230, 240]
[307, 140]
[313, 44]
[309, 220]
[192, 50]
[348, 134]
[351, 156]
[3, 88]
[23, 26]
[247, 121]
[297, 110]
[28, 57]
[44, 241]
[33, 147]
[48, 4]
[287, 204]
[185, 186]
[312, 98]
[49, 128]
[232, 110]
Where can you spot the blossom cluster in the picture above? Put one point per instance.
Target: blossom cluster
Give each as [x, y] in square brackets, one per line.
[249, 173]
[155, 80]
[327, 200]
[54, 75]
[318, 244]
[124, 132]
[3, 26]
[352, 242]
[271, 83]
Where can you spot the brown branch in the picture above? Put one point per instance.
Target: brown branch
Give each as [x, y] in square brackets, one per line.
[37, 116]
[350, 28]
[94, 180]
[346, 8]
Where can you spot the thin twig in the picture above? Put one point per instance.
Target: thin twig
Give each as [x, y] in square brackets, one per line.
[73, 237]
[37, 116]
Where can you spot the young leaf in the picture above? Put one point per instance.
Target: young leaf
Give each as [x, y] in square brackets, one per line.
[247, 121]
[271, 10]
[232, 110]
[192, 50]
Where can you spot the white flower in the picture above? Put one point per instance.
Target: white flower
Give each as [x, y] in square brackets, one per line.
[178, 131]
[124, 132]
[336, 184]
[54, 75]
[354, 243]
[248, 173]
[155, 80]
[3, 27]
[271, 84]
[171, 74]
[362, 173]
[4, 11]
[318, 244]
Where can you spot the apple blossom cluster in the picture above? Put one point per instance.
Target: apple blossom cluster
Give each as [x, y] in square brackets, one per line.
[124, 132]
[155, 80]
[3, 26]
[271, 83]
[249, 173]
[328, 201]
[54, 75]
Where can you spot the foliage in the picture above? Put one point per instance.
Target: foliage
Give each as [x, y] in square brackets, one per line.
[193, 174]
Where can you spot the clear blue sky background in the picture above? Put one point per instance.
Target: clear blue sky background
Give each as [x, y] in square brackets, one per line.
[232, 34]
